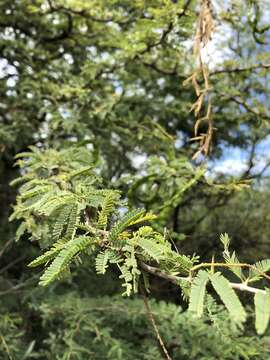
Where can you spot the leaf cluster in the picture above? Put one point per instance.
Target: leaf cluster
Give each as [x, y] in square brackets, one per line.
[65, 200]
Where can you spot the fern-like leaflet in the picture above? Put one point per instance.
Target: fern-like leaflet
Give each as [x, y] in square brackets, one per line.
[262, 311]
[231, 258]
[151, 248]
[73, 219]
[107, 208]
[62, 219]
[64, 257]
[125, 222]
[127, 278]
[102, 262]
[197, 294]
[228, 297]
[48, 255]
[259, 268]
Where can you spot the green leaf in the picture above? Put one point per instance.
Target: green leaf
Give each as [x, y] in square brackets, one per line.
[146, 217]
[224, 238]
[84, 170]
[232, 259]
[102, 262]
[262, 266]
[52, 204]
[38, 190]
[154, 250]
[65, 256]
[127, 277]
[62, 219]
[126, 221]
[262, 311]
[107, 208]
[48, 255]
[197, 294]
[20, 231]
[228, 297]
[73, 219]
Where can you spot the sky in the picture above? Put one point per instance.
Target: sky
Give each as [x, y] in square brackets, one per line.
[234, 160]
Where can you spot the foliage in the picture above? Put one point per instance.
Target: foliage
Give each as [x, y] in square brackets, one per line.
[262, 311]
[115, 328]
[94, 97]
[74, 190]
[77, 190]
[197, 293]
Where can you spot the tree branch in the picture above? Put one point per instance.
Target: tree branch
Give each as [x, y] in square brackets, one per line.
[238, 70]
[157, 272]
[244, 287]
[240, 101]
[176, 279]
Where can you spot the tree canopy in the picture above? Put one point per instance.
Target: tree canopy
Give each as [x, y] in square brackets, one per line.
[134, 157]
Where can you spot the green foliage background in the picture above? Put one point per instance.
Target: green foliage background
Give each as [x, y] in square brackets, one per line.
[107, 76]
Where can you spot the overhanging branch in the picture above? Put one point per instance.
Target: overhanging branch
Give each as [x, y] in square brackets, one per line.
[177, 279]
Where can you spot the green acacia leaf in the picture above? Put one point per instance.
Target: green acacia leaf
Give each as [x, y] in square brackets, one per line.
[102, 262]
[259, 267]
[48, 255]
[64, 257]
[126, 221]
[151, 248]
[228, 297]
[197, 295]
[262, 311]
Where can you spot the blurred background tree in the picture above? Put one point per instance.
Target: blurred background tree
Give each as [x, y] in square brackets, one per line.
[108, 75]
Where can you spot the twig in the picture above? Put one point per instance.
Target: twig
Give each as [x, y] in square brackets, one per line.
[18, 286]
[240, 101]
[237, 70]
[229, 265]
[153, 322]
[5, 246]
[244, 287]
[12, 263]
[177, 279]
[6, 347]
[157, 272]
